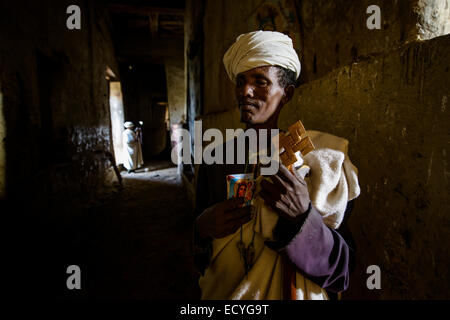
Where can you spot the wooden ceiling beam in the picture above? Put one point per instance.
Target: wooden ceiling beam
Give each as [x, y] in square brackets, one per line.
[140, 47]
[144, 10]
[172, 23]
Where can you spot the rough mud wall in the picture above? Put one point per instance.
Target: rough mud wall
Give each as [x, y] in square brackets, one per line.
[434, 18]
[334, 33]
[194, 56]
[176, 89]
[326, 35]
[393, 109]
[2, 148]
[219, 108]
[56, 109]
[56, 96]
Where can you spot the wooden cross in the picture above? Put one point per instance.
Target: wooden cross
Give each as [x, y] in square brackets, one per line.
[296, 140]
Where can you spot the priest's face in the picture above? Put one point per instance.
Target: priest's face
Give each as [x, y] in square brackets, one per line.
[259, 95]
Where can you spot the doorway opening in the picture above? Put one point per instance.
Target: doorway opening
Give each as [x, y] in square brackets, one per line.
[117, 119]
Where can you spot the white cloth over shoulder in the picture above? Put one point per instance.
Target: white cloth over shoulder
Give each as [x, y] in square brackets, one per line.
[333, 179]
[260, 48]
[132, 151]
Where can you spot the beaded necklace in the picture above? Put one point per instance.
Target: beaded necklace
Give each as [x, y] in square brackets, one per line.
[247, 253]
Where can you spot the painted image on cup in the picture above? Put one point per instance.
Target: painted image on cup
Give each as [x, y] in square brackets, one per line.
[240, 186]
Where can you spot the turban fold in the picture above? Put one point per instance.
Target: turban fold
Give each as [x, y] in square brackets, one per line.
[260, 48]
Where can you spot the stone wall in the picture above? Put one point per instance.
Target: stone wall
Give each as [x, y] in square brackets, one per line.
[393, 110]
[56, 103]
[58, 136]
[2, 148]
[334, 33]
[176, 89]
[326, 34]
[194, 58]
[433, 18]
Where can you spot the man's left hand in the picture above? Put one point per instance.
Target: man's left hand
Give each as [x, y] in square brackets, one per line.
[287, 195]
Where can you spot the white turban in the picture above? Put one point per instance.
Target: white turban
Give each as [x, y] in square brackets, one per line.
[128, 124]
[260, 48]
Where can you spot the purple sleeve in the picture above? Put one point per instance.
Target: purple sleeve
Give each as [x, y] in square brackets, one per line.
[320, 253]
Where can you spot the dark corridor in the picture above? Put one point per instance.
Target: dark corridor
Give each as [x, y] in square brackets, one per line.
[129, 233]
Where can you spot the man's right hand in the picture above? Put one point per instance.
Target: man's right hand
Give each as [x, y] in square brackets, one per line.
[223, 218]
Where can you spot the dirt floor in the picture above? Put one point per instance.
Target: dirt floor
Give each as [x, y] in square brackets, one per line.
[139, 241]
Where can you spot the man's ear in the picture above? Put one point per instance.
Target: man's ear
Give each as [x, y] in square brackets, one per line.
[288, 93]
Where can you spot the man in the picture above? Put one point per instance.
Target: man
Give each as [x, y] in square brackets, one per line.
[131, 148]
[280, 247]
[139, 137]
[138, 131]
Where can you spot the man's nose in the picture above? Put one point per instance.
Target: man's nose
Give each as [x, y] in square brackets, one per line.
[246, 90]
